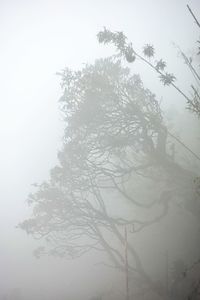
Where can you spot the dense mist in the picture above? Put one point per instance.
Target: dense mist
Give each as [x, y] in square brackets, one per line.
[100, 150]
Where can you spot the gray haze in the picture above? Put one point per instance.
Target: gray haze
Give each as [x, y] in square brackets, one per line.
[38, 39]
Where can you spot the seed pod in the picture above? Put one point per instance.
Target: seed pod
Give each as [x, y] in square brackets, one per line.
[129, 54]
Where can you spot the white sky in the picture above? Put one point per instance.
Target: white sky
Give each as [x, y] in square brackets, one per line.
[39, 38]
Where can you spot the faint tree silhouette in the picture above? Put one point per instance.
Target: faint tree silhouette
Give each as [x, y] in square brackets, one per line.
[114, 134]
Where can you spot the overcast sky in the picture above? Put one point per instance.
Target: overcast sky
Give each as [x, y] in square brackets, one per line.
[39, 38]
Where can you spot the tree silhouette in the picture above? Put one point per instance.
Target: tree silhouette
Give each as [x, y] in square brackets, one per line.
[114, 135]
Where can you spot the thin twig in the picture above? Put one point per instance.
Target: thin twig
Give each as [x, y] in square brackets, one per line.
[193, 16]
[186, 147]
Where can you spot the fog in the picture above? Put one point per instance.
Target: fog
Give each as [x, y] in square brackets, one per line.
[40, 39]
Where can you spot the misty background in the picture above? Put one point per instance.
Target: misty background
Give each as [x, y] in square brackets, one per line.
[38, 39]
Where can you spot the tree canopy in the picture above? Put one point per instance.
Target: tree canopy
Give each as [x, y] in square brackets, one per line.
[115, 136]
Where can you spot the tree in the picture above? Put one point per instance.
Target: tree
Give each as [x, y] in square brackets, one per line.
[115, 133]
[125, 50]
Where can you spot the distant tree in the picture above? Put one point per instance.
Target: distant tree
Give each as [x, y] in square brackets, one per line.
[113, 125]
[114, 132]
[114, 135]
